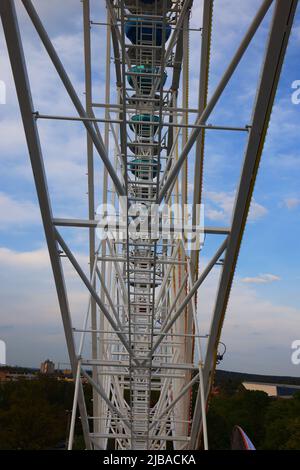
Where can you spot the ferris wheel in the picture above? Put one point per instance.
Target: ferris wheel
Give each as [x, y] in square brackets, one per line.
[151, 362]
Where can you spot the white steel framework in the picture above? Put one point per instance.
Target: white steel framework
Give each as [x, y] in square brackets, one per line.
[146, 362]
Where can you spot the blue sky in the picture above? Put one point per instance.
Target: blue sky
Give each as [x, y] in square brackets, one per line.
[263, 313]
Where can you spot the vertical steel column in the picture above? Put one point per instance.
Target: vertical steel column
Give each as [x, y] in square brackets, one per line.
[202, 103]
[103, 406]
[91, 191]
[185, 105]
[186, 319]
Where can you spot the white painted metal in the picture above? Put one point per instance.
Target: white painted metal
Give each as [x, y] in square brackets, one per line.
[142, 312]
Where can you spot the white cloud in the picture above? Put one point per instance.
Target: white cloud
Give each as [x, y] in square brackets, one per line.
[63, 143]
[257, 211]
[283, 129]
[15, 213]
[289, 162]
[36, 260]
[291, 203]
[261, 279]
[228, 28]
[30, 320]
[219, 207]
[258, 331]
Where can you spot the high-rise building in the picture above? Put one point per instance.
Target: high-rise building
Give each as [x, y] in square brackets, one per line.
[47, 367]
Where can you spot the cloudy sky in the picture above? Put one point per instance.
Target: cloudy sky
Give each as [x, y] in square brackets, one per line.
[264, 310]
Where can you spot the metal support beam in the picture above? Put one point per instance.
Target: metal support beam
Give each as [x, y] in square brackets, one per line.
[176, 400]
[191, 293]
[96, 223]
[90, 175]
[98, 143]
[172, 42]
[102, 393]
[94, 294]
[278, 40]
[217, 94]
[202, 103]
[17, 59]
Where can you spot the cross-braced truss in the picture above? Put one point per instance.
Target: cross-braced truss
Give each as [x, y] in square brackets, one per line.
[146, 359]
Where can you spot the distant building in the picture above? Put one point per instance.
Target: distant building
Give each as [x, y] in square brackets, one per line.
[14, 377]
[273, 390]
[6, 376]
[47, 367]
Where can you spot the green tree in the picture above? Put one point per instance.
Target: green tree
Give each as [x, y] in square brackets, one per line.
[31, 424]
[282, 424]
[35, 414]
[245, 408]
